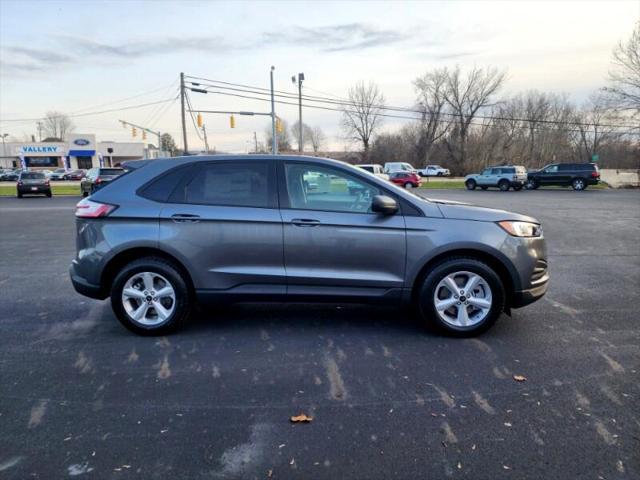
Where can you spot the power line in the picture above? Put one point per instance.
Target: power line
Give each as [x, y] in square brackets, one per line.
[77, 115]
[336, 101]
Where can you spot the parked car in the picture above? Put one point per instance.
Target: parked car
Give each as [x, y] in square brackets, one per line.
[246, 228]
[434, 171]
[576, 175]
[97, 178]
[406, 179]
[398, 167]
[9, 176]
[75, 175]
[57, 174]
[504, 177]
[33, 183]
[376, 169]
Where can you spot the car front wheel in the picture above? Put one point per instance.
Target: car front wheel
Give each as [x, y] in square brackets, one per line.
[470, 184]
[462, 297]
[408, 185]
[530, 185]
[150, 297]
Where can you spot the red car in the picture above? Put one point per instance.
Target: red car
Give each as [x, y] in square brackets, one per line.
[406, 179]
[75, 175]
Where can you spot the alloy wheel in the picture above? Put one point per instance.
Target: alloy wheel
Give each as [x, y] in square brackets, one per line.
[148, 298]
[462, 299]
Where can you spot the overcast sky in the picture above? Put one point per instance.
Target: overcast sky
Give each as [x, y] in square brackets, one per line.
[88, 56]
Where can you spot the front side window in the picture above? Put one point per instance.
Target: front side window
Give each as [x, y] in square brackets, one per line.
[551, 169]
[487, 172]
[319, 188]
[231, 184]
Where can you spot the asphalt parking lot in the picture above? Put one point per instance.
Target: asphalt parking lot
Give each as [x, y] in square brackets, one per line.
[81, 396]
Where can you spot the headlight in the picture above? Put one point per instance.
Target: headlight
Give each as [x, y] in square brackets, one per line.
[521, 229]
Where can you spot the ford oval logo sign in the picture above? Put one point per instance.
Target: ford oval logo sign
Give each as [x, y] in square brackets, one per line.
[81, 142]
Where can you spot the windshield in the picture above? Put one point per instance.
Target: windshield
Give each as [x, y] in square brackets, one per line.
[32, 176]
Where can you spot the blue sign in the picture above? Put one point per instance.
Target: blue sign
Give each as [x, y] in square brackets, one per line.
[81, 142]
[38, 149]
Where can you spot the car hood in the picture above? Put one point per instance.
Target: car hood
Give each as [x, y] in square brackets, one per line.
[465, 211]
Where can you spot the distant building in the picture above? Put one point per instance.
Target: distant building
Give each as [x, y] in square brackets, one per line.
[82, 151]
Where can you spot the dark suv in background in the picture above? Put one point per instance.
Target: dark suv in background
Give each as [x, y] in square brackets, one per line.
[33, 183]
[97, 178]
[576, 175]
[271, 228]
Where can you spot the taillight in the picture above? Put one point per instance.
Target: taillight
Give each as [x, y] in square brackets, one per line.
[46, 183]
[98, 180]
[88, 209]
[595, 174]
[20, 183]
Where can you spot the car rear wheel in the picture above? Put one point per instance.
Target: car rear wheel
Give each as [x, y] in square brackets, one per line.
[150, 297]
[408, 185]
[470, 184]
[504, 185]
[19, 195]
[461, 297]
[531, 185]
[578, 184]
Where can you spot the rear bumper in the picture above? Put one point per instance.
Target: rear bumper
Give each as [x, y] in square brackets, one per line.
[83, 287]
[33, 189]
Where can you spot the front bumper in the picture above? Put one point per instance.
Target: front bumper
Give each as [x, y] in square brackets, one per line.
[522, 298]
[83, 287]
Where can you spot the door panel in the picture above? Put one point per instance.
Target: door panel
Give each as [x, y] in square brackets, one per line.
[225, 247]
[331, 238]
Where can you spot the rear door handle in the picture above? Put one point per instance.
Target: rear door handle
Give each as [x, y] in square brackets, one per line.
[305, 222]
[185, 217]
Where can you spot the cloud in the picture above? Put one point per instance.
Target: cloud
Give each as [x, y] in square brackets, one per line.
[336, 38]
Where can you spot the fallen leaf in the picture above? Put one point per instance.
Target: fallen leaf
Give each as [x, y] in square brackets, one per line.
[270, 474]
[434, 415]
[507, 424]
[459, 465]
[292, 461]
[520, 378]
[506, 467]
[301, 418]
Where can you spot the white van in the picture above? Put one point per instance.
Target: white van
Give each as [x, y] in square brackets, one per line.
[374, 168]
[398, 167]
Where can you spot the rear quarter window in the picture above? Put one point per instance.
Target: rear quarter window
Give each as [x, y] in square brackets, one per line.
[161, 187]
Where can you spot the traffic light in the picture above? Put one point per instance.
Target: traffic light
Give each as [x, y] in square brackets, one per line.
[144, 135]
[232, 121]
[134, 131]
[200, 120]
[279, 126]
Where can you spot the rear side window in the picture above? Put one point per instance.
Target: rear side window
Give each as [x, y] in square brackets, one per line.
[111, 171]
[234, 184]
[509, 170]
[163, 186]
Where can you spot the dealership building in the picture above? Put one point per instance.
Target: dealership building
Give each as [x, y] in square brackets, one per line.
[78, 151]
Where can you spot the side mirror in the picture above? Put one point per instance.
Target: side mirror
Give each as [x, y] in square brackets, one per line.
[384, 205]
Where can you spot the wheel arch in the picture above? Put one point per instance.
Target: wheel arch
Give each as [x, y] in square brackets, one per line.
[124, 257]
[502, 266]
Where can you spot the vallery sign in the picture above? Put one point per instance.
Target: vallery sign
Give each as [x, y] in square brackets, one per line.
[39, 149]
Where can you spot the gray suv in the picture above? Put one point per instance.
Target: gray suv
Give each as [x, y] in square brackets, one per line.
[171, 232]
[504, 177]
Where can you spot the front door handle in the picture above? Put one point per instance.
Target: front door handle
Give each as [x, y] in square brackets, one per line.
[305, 222]
[185, 217]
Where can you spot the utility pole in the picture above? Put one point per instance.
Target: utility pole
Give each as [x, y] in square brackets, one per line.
[206, 142]
[184, 124]
[39, 130]
[300, 79]
[274, 138]
[255, 140]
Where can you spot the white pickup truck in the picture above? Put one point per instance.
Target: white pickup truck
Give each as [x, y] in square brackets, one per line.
[434, 171]
[374, 168]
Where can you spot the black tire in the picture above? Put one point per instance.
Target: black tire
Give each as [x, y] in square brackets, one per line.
[183, 295]
[578, 184]
[484, 188]
[517, 188]
[504, 185]
[19, 195]
[408, 185]
[439, 174]
[425, 299]
[531, 184]
[49, 195]
[85, 194]
[470, 184]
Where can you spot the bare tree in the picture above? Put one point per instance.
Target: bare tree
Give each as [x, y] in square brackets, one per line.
[594, 122]
[317, 138]
[57, 125]
[306, 133]
[284, 140]
[430, 90]
[467, 97]
[625, 77]
[361, 118]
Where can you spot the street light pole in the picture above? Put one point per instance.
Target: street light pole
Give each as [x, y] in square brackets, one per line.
[184, 124]
[300, 79]
[4, 146]
[274, 139]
